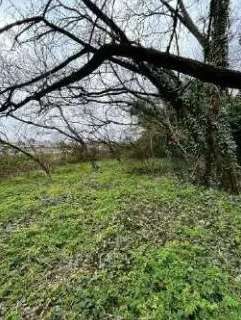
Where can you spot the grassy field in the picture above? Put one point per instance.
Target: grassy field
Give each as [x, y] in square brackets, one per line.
[117, 244]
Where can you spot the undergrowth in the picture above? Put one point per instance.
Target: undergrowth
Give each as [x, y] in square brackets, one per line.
[117, 243]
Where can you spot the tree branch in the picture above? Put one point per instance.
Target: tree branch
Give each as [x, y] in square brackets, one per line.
[202, 71]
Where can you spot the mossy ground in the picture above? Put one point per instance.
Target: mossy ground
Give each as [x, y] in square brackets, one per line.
[117, 244]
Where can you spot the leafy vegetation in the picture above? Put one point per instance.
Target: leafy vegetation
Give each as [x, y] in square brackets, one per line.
[117, 243]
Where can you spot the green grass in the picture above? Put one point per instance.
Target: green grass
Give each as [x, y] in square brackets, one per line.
[117, 244]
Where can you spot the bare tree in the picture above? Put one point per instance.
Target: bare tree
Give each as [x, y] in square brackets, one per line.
[105, 51]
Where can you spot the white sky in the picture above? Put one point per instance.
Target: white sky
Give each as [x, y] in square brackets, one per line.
[189, 46]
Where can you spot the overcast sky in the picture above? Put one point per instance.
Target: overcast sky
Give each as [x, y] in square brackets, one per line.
[189, 46]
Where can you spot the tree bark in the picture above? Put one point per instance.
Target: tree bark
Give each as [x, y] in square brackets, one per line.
[221, 164]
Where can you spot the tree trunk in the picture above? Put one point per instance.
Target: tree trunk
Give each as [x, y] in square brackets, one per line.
[221, 164]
